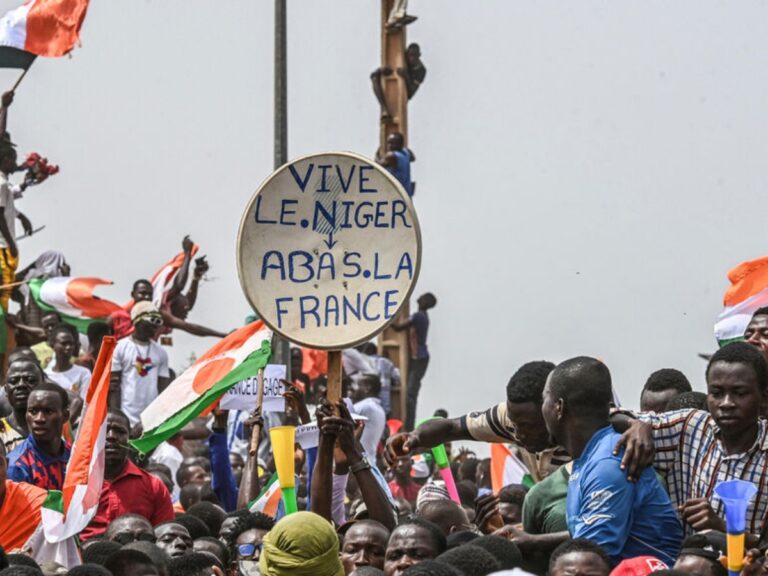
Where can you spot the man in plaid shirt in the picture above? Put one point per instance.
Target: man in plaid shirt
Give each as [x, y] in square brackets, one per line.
[696, 450]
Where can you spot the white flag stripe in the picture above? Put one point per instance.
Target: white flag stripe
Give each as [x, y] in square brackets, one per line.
[181, 393]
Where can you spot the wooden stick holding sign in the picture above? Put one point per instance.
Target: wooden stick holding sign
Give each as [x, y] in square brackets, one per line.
[249, 484]
[333, 393]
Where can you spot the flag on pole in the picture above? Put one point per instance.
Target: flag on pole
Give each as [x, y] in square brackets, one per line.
[268, 501]
[507, 468]
[162, 281]
[66, 513]
[237, 357]
[72, 299]
[40, 28]
[747, 293]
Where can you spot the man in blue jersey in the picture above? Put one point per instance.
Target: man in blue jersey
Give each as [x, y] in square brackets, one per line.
[626, 518]
[398, 161]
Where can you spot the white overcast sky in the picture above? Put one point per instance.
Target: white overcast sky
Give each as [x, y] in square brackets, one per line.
[587, 171]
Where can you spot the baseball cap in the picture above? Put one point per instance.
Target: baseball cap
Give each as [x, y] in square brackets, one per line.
[639, 566]
[144, 311]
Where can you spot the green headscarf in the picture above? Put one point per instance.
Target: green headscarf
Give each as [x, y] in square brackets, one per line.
[301, 544]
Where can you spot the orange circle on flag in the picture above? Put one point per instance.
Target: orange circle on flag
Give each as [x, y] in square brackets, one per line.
[211, 373]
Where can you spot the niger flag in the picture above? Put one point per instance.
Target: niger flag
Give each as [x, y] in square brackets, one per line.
[40, 28]
[237, 357]
[747, 293]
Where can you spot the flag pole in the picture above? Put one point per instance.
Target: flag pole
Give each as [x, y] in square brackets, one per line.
[249, 485]
[23, 74]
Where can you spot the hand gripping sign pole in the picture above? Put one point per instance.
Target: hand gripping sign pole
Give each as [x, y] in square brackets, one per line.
[328, 252]
[736, 495]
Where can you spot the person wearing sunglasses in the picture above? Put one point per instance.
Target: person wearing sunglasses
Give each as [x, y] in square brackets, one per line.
[139, 365]
[130, 528]
[246, 542]
[22, 376]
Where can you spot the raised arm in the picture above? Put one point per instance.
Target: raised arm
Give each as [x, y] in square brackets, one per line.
[376, 501]
[7, 100]
[201, 267]
[195, 329]
[427, 435]
[181, 277]
[322, 476]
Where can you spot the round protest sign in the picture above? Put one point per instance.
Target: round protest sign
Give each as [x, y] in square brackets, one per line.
[329, 249]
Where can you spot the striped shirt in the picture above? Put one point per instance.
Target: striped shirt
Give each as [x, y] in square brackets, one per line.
[692, 459]
[494, 425]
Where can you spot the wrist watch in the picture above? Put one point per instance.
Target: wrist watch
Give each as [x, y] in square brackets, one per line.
[360, 466]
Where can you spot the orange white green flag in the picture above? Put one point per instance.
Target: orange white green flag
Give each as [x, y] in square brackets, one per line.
[507, 468]
[162, 281]
[73, 299]
[40, 28]
[66, 513]
[268, 501]
[237, 357]
[748, 292]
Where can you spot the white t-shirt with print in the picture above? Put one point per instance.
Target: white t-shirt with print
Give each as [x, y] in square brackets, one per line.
[140, 365]
[76, 379]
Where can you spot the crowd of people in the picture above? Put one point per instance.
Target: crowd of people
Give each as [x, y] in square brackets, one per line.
[599, 489]
[607, 490]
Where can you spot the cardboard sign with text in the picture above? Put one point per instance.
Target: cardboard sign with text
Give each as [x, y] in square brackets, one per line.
[242, 396]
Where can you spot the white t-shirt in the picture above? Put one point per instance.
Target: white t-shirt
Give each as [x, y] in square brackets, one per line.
[140, 367]
[77, 379]
[374, 427]
[6, 202]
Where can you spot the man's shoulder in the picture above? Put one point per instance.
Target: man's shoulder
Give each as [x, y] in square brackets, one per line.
[19, 451]
[159, 351]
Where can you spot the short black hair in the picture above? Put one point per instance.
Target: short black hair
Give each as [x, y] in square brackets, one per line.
[761, 312]
[429, 299]
[584, 384]
[193, 564]
[368, 571]
[470, 560]
[667, 379]
[459, 539]
[467, 492]
[431, 568]
[527, 384]
[89, 570]
[97, 330]
[250, 521]
[62, 328]
[16, 559]
[506, 552]
[99, 552]
[141, 281]
[468, 469]
[373, 381]
[219, 544]
[699, 545]
[437, 536]
[52, 387]
[443, 513]
[194, 525]
[21, 570]
[121, 563]
[579, 545]
[210, 514]
[3, 555]
[688, 400]
[513, 494]
[120, 414]
[742, 353]
[159, 557]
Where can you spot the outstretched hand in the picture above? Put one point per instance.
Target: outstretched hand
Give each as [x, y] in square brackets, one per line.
[639, 450]
[401, 444]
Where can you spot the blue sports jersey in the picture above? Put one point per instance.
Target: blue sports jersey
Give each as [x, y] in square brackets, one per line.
[626, 518]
